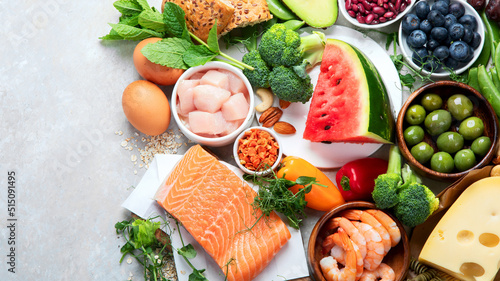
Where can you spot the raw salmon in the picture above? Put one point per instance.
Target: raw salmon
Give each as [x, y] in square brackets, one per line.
[215, 206]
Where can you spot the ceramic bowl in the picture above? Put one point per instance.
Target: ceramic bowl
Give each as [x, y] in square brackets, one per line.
[481, 109]
[213, 141]
[238, 160]
[443, 73]
[355, 22]
[398, 257]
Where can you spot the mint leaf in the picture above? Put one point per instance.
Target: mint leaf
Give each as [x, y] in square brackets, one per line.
[212, 40]
[144, 4]
[129, 20]
[198, 55]
[133, 33]
[167, 52]
[152, 20]
[112, 35]
[128, 7]
[173, 17]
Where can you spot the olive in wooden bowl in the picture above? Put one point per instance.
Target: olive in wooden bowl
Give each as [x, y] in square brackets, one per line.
[446, 129]
[397, 256]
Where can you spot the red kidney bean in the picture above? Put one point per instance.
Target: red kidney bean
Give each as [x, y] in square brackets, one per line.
[392, 8]
[360, 18]
[389, 15]
[386, 6]
[369, 18]
[380, 2]
[397, 5]
[367, 5]
[378, 10]
[355, 8]
[355, 1]
[375, 21]
[361, 8]
[403, 6]
[382, 19]
[351, 13]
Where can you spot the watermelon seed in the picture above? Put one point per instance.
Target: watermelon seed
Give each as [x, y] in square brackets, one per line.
[338, 81]
[327, 127]
[327, 142]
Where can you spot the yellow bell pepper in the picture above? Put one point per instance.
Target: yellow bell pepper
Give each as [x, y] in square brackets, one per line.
[319, 198]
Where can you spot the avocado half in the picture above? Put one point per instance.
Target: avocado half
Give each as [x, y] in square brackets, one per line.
[316, 13]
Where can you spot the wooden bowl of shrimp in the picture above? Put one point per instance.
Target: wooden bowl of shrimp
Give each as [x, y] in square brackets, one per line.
[358, 240]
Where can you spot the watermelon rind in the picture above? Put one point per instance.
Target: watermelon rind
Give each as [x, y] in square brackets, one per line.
[358, 111]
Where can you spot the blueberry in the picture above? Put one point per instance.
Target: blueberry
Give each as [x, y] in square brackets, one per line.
[468, 20]
[468, 35]
[441, 52]
[432, 64]
[471, 55]
[459, 50]
[451, 63]
[476, 40]
[425, 26]
[416, 39]
[449, 19]
[457, 9]
[422, 9]
[432, 44]
[446, 1]
[439, 34]
[440, 6]
[410, 23]
[436, 18]
[456, 31]
[420, 56]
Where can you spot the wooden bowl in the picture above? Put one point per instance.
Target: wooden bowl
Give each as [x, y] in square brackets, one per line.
[482, 109]
[398, 257]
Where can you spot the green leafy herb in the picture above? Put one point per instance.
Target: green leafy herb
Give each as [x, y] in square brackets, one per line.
[133, 33]
[198, 55]
[168, 52]
[151, 20]
[274, 195]
[128, 7]
[173, 17]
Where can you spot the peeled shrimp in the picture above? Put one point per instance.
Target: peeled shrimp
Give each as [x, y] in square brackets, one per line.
[351, 230]
[375, 249]
[338, 254]
[382, 273]
[388, 223]
[365, 217]
[329, 265]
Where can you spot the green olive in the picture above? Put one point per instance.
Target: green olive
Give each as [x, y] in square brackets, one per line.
[415, 114]
[437, 122]
[460, 106]
[471, 128]
[422, 152]
[481, 145]
[442, 162]
[413, 135]
[431, 101]
[464, 159]
[450, 142]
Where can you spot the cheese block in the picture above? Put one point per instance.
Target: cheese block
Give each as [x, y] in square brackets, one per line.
[465, 243]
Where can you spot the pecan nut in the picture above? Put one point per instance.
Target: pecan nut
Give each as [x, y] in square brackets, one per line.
[270, 117]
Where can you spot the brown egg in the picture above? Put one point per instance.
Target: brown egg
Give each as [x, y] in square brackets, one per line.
[146, 107]
[153, 72]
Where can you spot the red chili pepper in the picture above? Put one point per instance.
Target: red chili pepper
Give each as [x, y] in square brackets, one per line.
[356, 179]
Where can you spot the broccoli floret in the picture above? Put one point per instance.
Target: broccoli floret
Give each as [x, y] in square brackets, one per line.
[385, 191]
[287, 85]
[416, 203]
[259, 77]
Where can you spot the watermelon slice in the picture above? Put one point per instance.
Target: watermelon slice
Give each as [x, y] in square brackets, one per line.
[350, 103]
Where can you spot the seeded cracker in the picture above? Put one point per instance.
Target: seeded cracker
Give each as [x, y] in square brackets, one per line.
[248, 12]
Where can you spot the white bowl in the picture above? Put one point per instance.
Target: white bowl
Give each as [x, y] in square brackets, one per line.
[442, 73]
[216, 141]
[355, 22]
[278, 158]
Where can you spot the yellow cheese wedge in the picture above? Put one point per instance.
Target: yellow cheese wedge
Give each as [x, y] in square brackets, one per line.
[465, 243]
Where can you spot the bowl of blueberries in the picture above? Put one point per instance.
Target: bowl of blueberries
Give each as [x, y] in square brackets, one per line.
[440, 37]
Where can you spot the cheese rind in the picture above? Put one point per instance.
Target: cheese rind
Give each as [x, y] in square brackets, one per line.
[467, 236]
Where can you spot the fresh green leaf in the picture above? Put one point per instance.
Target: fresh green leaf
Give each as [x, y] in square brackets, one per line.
[144, 4]
[197, 275]
[187, 251]
[128, 7]
[407, 80]
[144, 232]
[173, 17]
[152, 20]
[129, 20]
[212, 40]
[133, 33]
[198, 55]
[167, 52]
[112, 35]
[120, 226]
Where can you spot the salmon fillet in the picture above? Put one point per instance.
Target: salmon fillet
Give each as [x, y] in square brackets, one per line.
[215, 206]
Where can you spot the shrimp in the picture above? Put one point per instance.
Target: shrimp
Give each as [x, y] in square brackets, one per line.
[329, 265]
[382, 273]
[338, 254]
[388, 223]
[351, 230]
[375, 249]
[371, 220]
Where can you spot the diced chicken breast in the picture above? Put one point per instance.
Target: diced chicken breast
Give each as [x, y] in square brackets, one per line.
[186, 102]
[235, 108]
[209, 98]
[236, 84]
[215, 78]
[184, 85]
[197, 75]
[204, 123]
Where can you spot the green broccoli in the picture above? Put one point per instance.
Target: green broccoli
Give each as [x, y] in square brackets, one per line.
[287, 85]
[259, 77]
[386, 185]
[416, 201]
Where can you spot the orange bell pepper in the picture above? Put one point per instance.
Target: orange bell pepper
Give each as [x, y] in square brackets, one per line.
[319, 198]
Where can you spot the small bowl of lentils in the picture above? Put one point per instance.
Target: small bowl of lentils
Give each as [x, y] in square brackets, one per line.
[373, 14]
